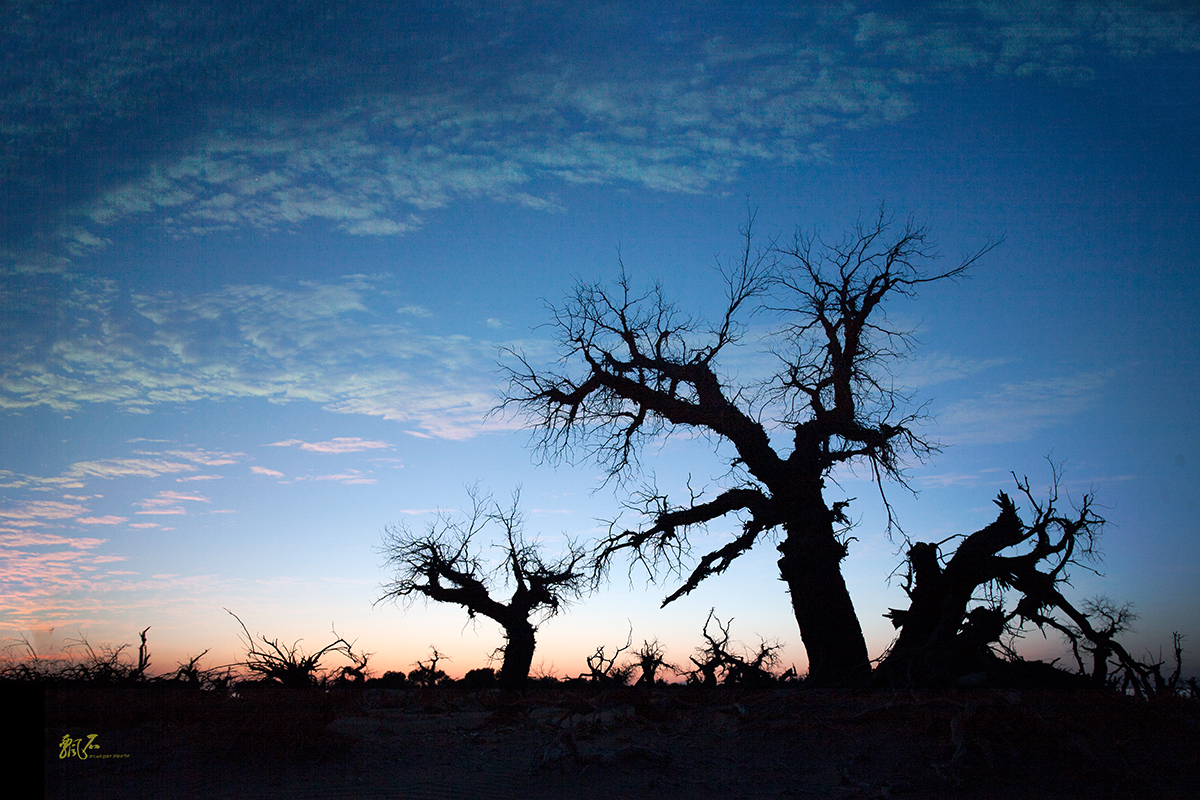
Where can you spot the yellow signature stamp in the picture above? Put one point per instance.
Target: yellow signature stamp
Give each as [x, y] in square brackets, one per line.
[69, 747]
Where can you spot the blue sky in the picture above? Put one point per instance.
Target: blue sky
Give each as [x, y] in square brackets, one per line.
[257, 267]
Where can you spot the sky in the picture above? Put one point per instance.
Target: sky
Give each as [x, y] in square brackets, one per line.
[258, 264]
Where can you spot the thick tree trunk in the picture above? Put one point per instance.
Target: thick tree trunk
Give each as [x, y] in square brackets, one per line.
[811, 567]
[518, 655]
[939, 640]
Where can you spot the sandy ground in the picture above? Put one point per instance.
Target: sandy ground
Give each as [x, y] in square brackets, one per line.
[670, 742]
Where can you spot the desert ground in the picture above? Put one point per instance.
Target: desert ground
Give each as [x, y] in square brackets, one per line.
[580, 740]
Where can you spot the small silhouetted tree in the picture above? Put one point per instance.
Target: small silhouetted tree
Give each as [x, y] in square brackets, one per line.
[444, 563]
[633, 368]
[717, 662]
[602, 667]
[289, 665]
[427, 674]
[649, 659]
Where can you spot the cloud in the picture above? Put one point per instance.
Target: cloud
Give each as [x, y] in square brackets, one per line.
[317, 342]
[166, 498]
[335, 445]
[48, 539]
[35, 513]
[39, 570]
[268, 472]
[502, 105]
[76, 475]
[208, 458]
[126, 467]
[106, 520]
[1063, 41]
[1016, 411]
[679, 120]
[934, 368]
[68, 582]
[350, 477]
[508, 117]
[167, 503]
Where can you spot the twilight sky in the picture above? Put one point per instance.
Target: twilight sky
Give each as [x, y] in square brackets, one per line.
[257, 265]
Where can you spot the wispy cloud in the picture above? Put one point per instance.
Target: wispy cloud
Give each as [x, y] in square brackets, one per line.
[312, 342]
[149, 465]
[39, 570]
[339, 444]
[169, 503]
[35, 513]
[1016, 411]
[208, 458]
[126, 467]
[678, 118]
[268, 472]
[26, 539]
[167, 498]
[349, 477]
[935, 368]
[105, 520]
[682, 114]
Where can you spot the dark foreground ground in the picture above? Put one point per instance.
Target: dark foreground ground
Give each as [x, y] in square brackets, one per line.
[165, 741]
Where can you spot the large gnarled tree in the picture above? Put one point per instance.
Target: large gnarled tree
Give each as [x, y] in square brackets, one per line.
[633, 368]
[443, 563]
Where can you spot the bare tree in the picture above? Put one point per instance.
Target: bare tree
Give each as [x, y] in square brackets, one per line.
[956, 611]
[633, 367]
[428, 675]
[443, 563]
[288, 665]
[649, 659]
[602, 668]
[717, 656]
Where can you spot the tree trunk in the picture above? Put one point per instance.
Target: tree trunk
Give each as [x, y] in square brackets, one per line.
[939, 640]
[811, 567]
[518, 654]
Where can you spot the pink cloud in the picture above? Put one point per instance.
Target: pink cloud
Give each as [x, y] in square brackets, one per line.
[264, 471]
[126, 467]
[337, 445]
[24, 539]
[39, 510]
[107, 520]
[352, 476]
[169, 498]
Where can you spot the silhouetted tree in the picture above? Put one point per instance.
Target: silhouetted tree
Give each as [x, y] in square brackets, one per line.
[444, 564]
[716, 660]
[288, 665]
[634, 368]
[602, 667]
[427, 674]
[956, 611]
[649, 659]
